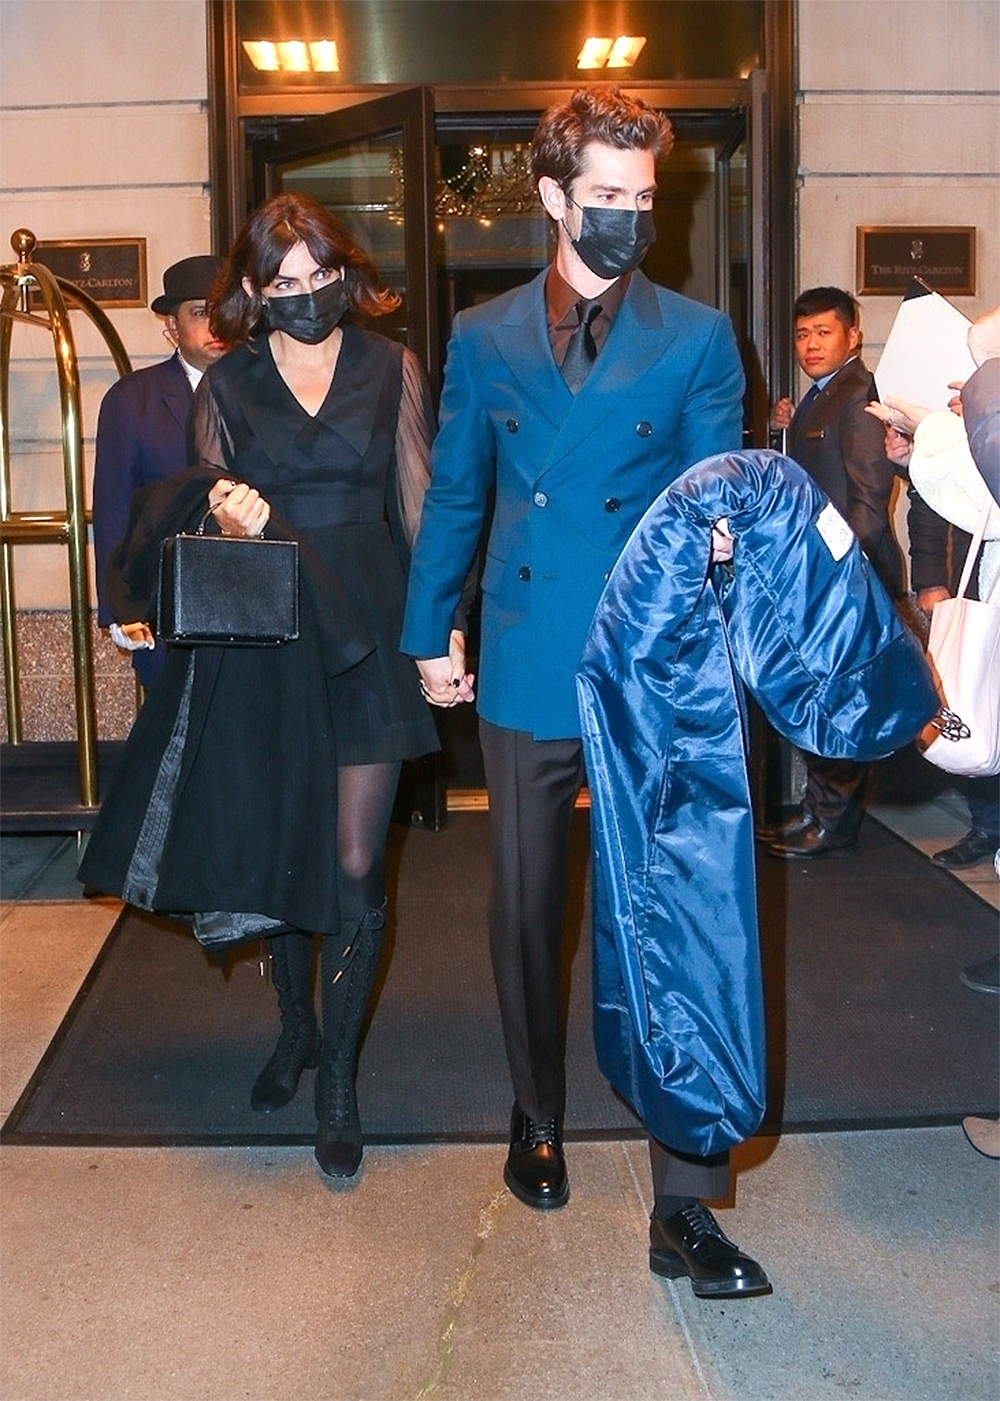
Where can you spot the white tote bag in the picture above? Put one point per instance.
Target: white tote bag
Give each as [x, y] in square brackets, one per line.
[964, 652]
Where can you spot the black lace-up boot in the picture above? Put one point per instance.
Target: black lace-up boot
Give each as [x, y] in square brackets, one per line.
[349, 967]
[299, 1043]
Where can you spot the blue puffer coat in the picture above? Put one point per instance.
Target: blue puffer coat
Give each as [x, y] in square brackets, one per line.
[802, 621]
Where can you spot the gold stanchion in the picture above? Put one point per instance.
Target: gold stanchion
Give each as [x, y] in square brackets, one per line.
[69, 526]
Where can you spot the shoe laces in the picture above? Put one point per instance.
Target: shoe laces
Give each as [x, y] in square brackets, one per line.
[539, 1131]
[700, 1219]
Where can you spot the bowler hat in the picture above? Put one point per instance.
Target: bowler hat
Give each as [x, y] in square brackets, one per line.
[187, 281]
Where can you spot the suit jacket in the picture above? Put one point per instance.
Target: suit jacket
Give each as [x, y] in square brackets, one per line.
[843, 450]
[801, 620]
[571, 475]
[141, 438]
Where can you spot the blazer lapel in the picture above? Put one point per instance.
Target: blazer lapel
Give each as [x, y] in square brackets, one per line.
[638, 339]
[177, 392]
[522, 341]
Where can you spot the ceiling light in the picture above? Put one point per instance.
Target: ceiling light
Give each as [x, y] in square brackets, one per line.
[294, 56]
[626, 49]
[594, 53]
[323, 53]
[262, 54]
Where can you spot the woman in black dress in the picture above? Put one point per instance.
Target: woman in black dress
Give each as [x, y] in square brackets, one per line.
[289, 758]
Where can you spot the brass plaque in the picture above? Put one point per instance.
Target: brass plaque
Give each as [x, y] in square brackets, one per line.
[110, 270]
[944, 255]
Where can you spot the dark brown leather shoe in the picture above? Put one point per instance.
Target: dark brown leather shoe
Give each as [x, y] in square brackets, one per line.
[535, 1170]
[690, 1243]
[810, 841]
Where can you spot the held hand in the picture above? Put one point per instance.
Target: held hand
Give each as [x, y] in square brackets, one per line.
[239, 508]
[722, 542]
[781, 414]
[955, 403]
[443, 680]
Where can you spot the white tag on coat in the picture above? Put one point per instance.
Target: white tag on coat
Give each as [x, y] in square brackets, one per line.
[837, 534]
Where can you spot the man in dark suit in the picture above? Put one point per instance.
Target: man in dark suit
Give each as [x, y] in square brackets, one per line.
[142, 431]
[843, 450]
[574, 400]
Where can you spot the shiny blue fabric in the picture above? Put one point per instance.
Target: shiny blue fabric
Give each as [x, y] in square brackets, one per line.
[678, 1008]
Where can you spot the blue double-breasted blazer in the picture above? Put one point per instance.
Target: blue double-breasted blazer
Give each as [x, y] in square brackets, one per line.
[571, 476]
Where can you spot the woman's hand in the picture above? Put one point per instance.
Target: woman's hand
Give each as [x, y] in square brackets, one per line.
[239, 508]
[899, 413]
[444, 681]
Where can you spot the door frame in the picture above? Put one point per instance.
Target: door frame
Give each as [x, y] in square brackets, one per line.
[767, 96]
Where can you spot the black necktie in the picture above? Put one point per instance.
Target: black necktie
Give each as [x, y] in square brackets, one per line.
[581, 352]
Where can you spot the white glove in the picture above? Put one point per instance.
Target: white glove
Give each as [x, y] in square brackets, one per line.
[132, 637]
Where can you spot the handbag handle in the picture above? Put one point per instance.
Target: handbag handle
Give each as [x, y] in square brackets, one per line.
[974, 546]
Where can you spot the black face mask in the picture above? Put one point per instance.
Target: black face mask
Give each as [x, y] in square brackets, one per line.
[613, 241]
[310, 316]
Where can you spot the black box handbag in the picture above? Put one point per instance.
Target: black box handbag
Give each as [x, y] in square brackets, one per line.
[226, 590]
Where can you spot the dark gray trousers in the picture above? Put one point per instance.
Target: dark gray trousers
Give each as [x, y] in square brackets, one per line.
[533, 785]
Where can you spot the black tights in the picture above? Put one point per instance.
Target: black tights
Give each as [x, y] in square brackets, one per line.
[365, 795]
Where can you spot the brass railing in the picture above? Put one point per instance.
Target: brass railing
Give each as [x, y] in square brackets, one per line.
[67, 527]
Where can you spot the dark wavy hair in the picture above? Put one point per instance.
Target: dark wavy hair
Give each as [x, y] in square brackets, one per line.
[604, 114]
[259, 250]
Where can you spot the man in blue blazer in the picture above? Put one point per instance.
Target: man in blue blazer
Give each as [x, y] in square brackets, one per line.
[572, 402]
[142, 427]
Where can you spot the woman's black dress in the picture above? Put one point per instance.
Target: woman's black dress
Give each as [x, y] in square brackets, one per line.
[225, 804]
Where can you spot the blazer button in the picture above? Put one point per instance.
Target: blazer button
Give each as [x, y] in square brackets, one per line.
[512, 425]
[524, 572]
[644, 429]
[540, 499]
[612, 505]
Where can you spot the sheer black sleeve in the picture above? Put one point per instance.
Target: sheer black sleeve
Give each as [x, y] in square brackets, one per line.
[209, 440]
[414, 434]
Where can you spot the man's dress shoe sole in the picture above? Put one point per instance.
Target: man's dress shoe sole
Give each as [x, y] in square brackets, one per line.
[669, 1265]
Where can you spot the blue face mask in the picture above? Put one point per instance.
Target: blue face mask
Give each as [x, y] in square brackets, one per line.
[310, 316]
[613, 241]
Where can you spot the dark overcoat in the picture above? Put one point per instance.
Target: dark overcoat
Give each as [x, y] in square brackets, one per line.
[802, 621]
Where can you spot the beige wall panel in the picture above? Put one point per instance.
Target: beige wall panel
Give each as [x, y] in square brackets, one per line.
[105, 146]
[830, 211]
[63, 52]
[919, 136]
[898, 45]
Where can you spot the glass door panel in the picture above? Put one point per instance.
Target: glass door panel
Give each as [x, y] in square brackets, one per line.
[371, 165]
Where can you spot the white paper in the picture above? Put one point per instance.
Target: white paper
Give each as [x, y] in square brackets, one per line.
[837, 534]
[927, 349]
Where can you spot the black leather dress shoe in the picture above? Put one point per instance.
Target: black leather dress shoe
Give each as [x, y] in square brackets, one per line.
[690, 1243]
[969, 850]
[780, 831]
[535, 1170]
[812, 840]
